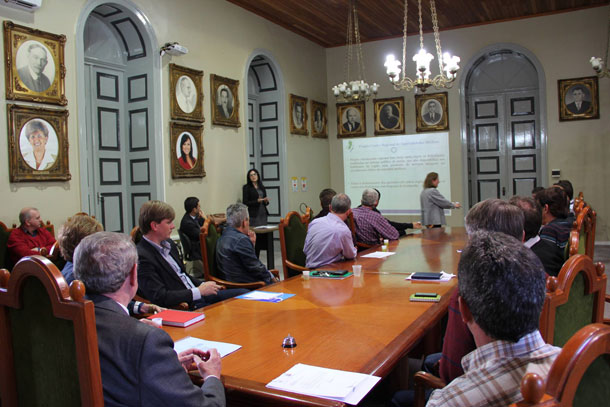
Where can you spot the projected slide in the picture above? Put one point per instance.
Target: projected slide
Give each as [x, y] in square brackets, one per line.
[397, 167]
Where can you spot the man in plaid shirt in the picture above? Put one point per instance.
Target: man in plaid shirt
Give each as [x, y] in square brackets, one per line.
[502, 289]
[371, 226]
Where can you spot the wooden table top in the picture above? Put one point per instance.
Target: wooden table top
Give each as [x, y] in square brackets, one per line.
[363, 324]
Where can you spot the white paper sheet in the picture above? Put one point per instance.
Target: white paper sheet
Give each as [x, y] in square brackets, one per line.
[261, 295]
[332, 384]
[379, 255]
[444, 278]
[189, 342]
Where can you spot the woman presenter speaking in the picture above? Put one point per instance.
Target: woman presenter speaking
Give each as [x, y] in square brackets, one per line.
[433, 203]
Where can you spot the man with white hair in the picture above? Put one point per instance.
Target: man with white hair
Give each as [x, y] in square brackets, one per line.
[235, 254]
[138, 363]
[371, 226]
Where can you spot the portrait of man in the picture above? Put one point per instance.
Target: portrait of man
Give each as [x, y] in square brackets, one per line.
[352, 120]
[35, 66]
[297, 115]
[389, 116]
[578, 99]
[225, 101]
[38, 144]
[318, 121]
[432, 112]
[186, 95]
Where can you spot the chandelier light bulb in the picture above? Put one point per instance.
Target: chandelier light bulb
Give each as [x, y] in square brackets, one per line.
[422, 59]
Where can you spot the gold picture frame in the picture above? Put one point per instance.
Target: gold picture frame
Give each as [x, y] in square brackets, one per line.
[351, 119]
[389, 115]
[319, 120]
[187, 152]
[431, 112]
[186, 93]
[298, 115]
[578, 98]
[34, 65]
[225, 101]
[37, 144]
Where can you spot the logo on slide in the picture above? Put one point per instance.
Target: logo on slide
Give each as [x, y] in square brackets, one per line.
[350, 146]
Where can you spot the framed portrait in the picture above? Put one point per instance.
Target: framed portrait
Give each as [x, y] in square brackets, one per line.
[37, 144]
[319, 120]
[431, 112]
[298, 115]
[34, 65]
[389, 116]
[225, 101]
[351, 120]
[186, 93]
[187, 150]
[578, 98]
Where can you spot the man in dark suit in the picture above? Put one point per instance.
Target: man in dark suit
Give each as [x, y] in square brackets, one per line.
[351, 124]
[162, 277]
[579, 105]
[433, 115]
[32, 74]
[388, 118]
[190, 227]
[225, 107]
[138, 363]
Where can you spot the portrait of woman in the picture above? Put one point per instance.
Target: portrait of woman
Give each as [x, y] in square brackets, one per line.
[433, 203]
[187, 151]
[38, 144]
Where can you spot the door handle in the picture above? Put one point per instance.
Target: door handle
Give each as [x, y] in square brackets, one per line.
[503, 191]
[100, 198]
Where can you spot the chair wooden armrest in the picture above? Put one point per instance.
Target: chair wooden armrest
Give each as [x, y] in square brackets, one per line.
[183, 306]
[229, 284]
[295, 266]
[422, 381]
[275, 272]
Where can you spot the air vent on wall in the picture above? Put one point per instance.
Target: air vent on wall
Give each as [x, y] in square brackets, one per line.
[29, 5]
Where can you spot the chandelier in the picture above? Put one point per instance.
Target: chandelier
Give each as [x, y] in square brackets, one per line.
[447, 64]
[601, 67]
[359, 89]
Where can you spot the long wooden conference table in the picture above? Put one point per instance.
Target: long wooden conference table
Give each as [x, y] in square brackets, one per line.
[364, 324]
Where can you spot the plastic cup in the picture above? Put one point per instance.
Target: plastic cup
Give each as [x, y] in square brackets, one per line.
[357, 270]
[386, 242]
[384, 248]
[306, 274]
[157, 321]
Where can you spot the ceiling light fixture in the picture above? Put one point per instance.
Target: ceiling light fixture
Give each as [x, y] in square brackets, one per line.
[601, 67]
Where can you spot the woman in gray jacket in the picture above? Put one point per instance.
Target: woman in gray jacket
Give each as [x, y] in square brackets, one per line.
[433, 203]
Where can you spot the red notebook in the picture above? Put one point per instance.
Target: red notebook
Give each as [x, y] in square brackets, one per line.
[178, 318]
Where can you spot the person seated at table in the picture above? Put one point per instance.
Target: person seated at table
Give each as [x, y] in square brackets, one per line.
[235, 255]
[138, 364]
[30, 237]
[326, 197]
[554, 204]
[70, 234]
[569, 190]
[162, 277]
[502, 287]
[190, 226]
[371, 226]
[329, 239]
[550, 255]
[401, 227]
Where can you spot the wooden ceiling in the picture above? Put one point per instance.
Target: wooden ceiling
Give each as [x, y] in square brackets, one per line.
[324, 21]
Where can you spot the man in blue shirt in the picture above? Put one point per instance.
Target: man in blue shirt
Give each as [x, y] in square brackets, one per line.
[235, 255]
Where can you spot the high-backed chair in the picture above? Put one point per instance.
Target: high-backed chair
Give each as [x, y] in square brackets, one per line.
[574, 298]
[351, 222]
[579, 375]
[4, 233]
[136, 235]
[293, 231]
[208, 239]
[49, 342]
[582, 236]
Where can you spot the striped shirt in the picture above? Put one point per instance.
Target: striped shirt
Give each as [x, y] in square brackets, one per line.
[494, 371]
[371, 226]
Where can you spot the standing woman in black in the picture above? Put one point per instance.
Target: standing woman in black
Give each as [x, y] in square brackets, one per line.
[255, 198]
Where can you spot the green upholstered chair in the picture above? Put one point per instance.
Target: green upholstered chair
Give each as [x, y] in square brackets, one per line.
[293, 230]
[582, 236]
[579, 375]
[208, 239]
[49, 342]
[4, 233]
[575, 298]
